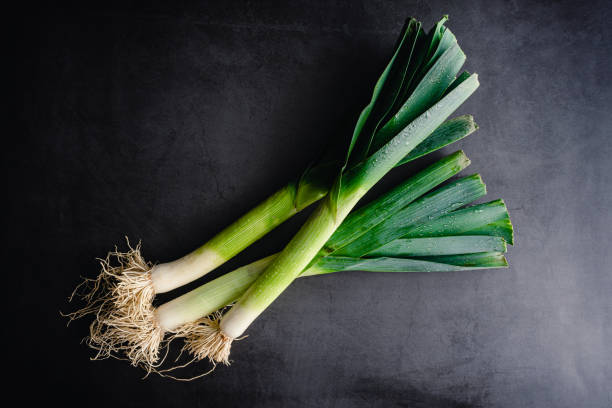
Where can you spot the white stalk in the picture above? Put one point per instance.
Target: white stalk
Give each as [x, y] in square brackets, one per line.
[171, 275]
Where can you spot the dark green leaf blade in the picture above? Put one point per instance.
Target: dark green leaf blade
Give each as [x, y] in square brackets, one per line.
[388, 92]
[483, 219]
[371, 170]
[330, 264]
[447, 133]
[482, 260]
[502, 228]
[462, 77]
[381, 86]
[451, 245]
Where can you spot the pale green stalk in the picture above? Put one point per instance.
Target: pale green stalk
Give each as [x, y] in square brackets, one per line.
[233, 239]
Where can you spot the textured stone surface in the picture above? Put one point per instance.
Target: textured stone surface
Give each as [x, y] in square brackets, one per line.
[165, 125]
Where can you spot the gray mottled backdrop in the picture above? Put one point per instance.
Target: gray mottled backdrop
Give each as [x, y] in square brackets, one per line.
[165, 123]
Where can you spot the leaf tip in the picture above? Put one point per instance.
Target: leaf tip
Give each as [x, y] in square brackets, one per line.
[504, 262]
[463, 158]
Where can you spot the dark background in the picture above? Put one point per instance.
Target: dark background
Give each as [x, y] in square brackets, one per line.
[165, 123]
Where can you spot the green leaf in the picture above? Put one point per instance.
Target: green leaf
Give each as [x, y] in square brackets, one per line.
[482, 260]
[428, 91]
[330, 264]
[383, 97]
[448, 132]
[435, 204]
[422, 61]
[502, 228]
[462, 77]
[416, 60]
[379, 88]
[484, 219]
[370, 171]
[416, 247]
[435, 43]
[388, 91]
[318, 179]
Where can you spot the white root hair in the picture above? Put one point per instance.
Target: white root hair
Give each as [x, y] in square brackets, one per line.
[120, 298]
[204, 339]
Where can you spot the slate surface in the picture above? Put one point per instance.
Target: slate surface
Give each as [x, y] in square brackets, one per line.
[165, 124]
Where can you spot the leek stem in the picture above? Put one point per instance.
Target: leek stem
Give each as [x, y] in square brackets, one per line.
[243, 232]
